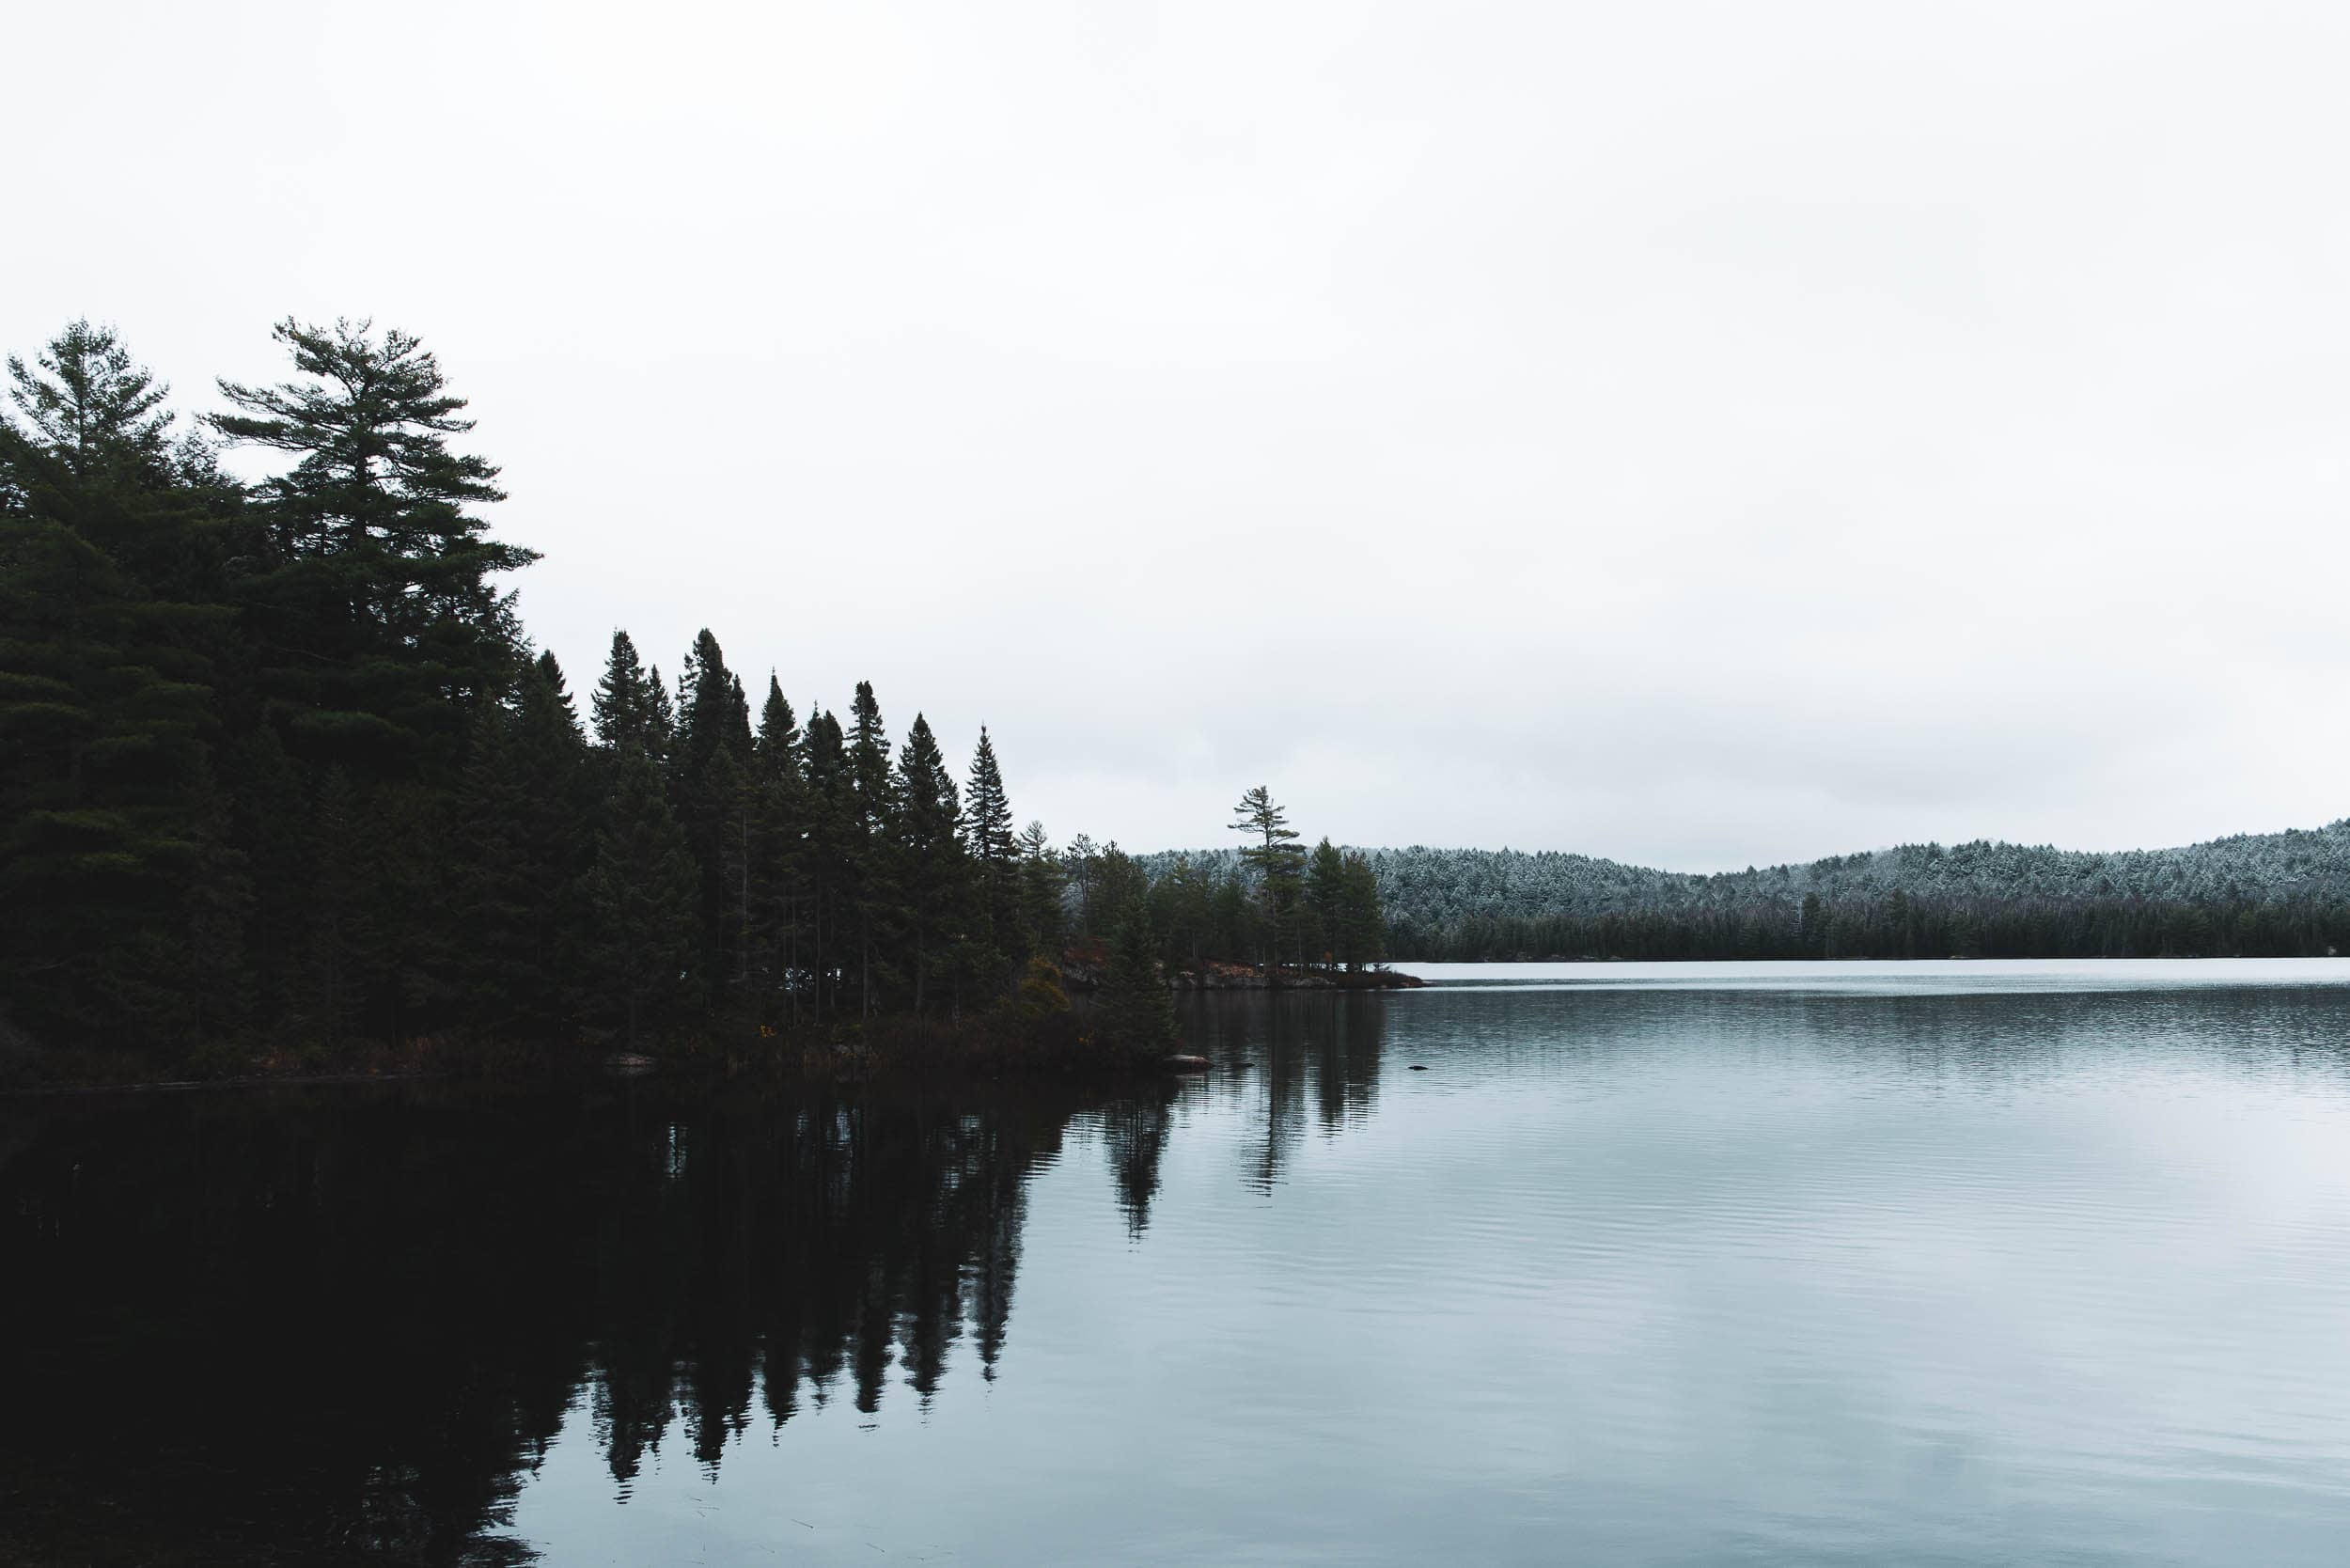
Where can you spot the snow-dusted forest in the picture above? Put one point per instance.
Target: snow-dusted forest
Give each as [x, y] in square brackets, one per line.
[2254, 894]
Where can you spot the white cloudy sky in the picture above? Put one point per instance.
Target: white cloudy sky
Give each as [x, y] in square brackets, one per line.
[1695, 434]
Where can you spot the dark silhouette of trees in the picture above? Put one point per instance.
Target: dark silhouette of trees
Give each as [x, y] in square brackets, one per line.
[1137, 1009]
[1276, 865]
[279, 763]
[468, 1265]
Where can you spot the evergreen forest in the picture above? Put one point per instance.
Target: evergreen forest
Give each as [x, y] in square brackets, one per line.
[280, 771]
[2278, 894]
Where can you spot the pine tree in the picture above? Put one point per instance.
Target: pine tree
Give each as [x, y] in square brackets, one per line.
[1276, 862]
[375, 598]
[640, 896]
[92, 406]
[98, 455]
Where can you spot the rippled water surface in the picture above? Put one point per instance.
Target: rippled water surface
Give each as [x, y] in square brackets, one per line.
[1868, 1263]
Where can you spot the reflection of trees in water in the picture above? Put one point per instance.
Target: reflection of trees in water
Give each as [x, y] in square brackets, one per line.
[1303, 1047]
[801, 1250]
[341, 1326]
[1135, 1132]
[323, 1327]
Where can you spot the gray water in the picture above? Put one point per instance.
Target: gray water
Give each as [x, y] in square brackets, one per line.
[1972, 1264]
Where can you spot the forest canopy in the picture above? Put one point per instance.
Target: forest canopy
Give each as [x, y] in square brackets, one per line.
[283, 768]
[281, 763]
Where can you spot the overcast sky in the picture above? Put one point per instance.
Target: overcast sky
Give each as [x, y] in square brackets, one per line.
[1692, 435]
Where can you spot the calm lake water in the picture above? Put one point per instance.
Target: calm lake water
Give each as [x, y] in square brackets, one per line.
[1976, 1263]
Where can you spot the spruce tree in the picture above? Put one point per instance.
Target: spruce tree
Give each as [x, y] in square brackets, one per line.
[933, 869]
[494, 905]
[1360, 930]
[1325, 881]
[778, 744]
[640, 896]
[988, 810]
[522, 824]
[872, 802]
[407, 860]
[335, 916]
[662, 722]
[1183, 905]
[1043, 892]
[711, 714]
[995, 849]
[1080, 865]
[269, 813]
[113, 842]
[778, 856]
[623, 702]
[829, 857]
[1138, 1010]
[726, 803]
[550, 757]
[713, 741]
[552, 673]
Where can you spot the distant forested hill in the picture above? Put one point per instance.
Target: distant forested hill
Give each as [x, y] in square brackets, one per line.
[2275, 894]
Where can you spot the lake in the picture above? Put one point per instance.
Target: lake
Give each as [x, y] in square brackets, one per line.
[1926, 1263]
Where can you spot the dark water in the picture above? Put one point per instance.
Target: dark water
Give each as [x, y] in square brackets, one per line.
[1987, 1265]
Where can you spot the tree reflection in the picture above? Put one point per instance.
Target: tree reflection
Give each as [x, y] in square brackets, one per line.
[1136, 1132]
[342, 1324]
[1301, 1049]
[323, 1327]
